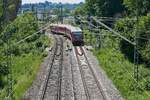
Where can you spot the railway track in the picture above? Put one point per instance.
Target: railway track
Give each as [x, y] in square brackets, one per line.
[61, 82]
[92, 87]
[52, 86]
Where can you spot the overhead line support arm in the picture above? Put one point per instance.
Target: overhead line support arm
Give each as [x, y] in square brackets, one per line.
[116, 33]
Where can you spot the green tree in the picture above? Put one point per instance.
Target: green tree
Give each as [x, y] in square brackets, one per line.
[104, 7]
[126, 26]
[143, 6]
[144, 40]
[81, 10]
[11, 10]
[90, 5]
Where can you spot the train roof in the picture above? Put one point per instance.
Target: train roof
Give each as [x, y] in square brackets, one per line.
[72, 28]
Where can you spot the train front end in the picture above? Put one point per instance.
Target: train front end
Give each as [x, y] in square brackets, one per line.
[77, 38]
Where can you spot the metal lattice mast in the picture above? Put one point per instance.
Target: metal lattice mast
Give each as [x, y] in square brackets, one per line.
[136, 47]
[90, 29]
[61, 11]
[44, 14]
[136, 54]
[100, 39]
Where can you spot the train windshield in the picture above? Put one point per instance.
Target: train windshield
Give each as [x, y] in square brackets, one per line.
[78, 34]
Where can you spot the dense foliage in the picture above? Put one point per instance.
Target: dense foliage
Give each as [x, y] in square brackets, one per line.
[11, 9]
[104, 7]
[23, 54]
[118, 68]
[116, 55]
[143, 6]
[120, 72]
[127, 27]
[80, 10]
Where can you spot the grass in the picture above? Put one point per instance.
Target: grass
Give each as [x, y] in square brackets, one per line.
[120, 71]
[24, 72]
[24, 69]
[26, 56]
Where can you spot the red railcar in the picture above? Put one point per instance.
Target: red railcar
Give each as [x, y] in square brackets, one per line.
[75, 34]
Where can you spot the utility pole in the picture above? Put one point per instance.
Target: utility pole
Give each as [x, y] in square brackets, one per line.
[32, 8]
[136, 54]
[97, 40]
[136, 47]
[90, 28]
[61, 12]
[44, 13]
[36, 13]
[100, 40]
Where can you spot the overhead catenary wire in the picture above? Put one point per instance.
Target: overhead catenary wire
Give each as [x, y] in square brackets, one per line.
[116, 33]
[133, 43]
[132, 76]
[41, 29]
[44, 27]
[111, 30]
[11, 88]
[143, 38]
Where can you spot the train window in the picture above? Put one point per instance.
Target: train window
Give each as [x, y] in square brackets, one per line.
[77, 33]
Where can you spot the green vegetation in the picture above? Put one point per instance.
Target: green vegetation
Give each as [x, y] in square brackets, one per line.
[116, 55]
[120, 72]
[24, 72]
[11, 9]
[24, 69]
[26, 56]
[118, 68]
[100, 8]
[127, 28]
[81, 10]
[143, 6]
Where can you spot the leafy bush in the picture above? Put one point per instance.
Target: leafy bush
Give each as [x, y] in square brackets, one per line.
[20, 28]
[26, 56]
[143, 6]
[144, 41]
[120, 71]
[127, 26]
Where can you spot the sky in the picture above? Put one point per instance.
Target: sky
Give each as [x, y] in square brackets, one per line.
[63, 1]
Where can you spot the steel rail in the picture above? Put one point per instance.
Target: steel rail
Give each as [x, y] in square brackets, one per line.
[95, 78]
[74, 93]
[49, 72]
[82, 77]
[80, 54]
[60, 71]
